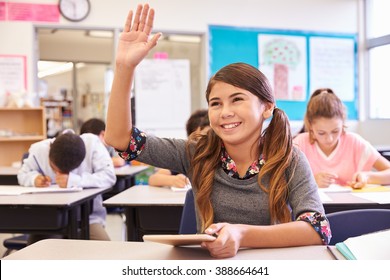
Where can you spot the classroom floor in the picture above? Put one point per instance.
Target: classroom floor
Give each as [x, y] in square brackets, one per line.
[115, 227]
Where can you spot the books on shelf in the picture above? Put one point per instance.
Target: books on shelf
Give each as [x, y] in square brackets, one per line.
[371, 246]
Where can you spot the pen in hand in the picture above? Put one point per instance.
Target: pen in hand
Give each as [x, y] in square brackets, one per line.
[46, 180]
[39, 167]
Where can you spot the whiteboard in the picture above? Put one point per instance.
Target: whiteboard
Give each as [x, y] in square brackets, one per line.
[162, 92]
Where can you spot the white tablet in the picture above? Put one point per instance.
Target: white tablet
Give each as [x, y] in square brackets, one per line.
[179, 239]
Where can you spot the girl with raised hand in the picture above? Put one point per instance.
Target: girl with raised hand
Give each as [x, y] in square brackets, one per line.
[252, 187]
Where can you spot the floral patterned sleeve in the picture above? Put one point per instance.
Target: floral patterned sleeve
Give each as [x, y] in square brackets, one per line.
[320, 224]
[136, 145]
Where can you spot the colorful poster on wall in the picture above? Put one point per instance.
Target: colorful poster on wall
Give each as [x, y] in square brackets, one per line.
[283, 60]
[13, 75]
[295, 61]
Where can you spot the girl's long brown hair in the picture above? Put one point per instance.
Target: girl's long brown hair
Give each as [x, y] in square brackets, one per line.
[275, 145]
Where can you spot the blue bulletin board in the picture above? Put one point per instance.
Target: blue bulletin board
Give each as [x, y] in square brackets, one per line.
[295, 62]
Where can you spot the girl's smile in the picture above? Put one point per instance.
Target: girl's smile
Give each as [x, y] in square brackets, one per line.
[235, 114]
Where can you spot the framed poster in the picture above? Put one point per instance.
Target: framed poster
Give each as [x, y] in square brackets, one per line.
[296, 62]
[13, 73]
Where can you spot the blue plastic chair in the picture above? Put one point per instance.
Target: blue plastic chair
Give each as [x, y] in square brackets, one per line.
[15, 243]
[350, 223]
[188, 217]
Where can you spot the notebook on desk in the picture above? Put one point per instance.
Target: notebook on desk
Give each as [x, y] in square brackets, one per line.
[334, 188]
[371, 246]
[19, 190]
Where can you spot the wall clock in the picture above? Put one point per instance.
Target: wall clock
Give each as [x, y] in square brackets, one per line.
[74, 10]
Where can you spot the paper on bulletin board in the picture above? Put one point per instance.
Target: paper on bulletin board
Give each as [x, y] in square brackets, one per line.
[162, 94]
[332, 64]
[283, 61]
[13, 77]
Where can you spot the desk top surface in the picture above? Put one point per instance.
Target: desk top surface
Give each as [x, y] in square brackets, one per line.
[130, 170]
[142, 195]
[67, 249]
[8, 170]
[51, 199]
[364, 198]
[125, 170]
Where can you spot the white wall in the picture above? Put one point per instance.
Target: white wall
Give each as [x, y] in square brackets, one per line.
[194, 17]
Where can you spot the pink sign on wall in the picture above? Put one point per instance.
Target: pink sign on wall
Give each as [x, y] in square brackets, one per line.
[2, 11]
[13, 73]
[33, 12]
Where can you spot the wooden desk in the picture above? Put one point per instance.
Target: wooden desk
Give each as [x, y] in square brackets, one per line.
[49, 213]
[63, 249]
[149, 210]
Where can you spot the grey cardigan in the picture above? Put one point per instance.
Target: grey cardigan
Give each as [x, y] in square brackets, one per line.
[237, 201]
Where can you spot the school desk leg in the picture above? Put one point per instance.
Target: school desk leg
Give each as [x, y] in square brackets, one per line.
[131, 224]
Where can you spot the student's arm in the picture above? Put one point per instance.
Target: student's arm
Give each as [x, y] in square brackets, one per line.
[231, 237]
[133, 46]
[381, 176]
[164, 177]
[29, 174]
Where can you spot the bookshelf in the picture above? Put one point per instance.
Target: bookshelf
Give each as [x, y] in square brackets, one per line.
[59, 115]
[19, 128]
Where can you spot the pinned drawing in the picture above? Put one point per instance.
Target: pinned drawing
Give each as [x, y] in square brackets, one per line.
[283, 60]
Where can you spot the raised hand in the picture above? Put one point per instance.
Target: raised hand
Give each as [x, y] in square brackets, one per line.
[134, 43]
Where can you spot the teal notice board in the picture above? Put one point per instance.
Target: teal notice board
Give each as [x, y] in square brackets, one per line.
[295, 62]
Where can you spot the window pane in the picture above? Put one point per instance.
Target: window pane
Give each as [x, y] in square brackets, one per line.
[379, 82]
[378, 18]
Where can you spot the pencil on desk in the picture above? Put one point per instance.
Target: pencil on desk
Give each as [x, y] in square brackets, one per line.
[331, 252]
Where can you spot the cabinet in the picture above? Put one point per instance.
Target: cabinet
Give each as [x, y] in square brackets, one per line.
[58, 114]
[19, 128]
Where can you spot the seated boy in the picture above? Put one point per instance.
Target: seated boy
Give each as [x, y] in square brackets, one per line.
[71, 160]
[98, 127]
